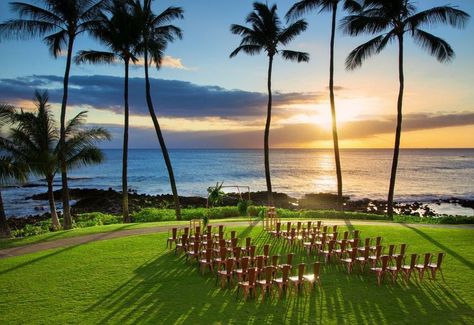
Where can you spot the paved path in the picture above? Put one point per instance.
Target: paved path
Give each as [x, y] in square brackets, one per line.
[74, 241]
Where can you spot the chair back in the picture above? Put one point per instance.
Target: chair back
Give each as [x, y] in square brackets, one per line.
[197, 231]
[342, 245]
[301, 268]
[209, 237]
[378, 241]
[196, 246]
[232, 234]
[221, 228]
[353, 253]
[334, 235]
[325, 229]
[275, 260]
[440, 260]
[309, 225]
[184, 239]
[403, 248]
[293, 233]
[378, 251]
[316, 269]
[413, 259]
[174, 233]
[289, 259]
[427, 259]
[278, 227]
[367, 242]
[186, 231]
[244, 263]
[266, 250]
[233, 242]
[391, 250]
[229, 265]
[285, 272]
[318, 224]
[288, 226]
[237, 252]
[221, 235]
[356, 234]
[334, 228]
[384, 262]
[252, 275]
[248, 241]
[331, 245]
[252, 251]
[209, 229]
[208, 255]
[268, 274]
[398, 262]
[355, 243]
[345, 235]
[222, 253]
[259, 262]
[221, 242]
[298, 226]
[366, 252]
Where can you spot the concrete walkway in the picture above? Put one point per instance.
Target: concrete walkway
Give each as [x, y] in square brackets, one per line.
[74, 241]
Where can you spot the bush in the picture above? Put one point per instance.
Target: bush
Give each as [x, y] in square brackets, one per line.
[39, 228]
[95, 219]
[256, 211]
[242, 206]
[153, 214]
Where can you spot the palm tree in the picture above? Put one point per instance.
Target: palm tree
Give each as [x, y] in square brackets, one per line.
[393, 20]
[267, 33]
[60, 21]
[296, 11]
[119, 33]
[35, 141]
[156, 32]
[10, 169]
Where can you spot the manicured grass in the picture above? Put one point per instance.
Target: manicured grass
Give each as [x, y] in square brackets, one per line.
[76, 232]
[135, 279]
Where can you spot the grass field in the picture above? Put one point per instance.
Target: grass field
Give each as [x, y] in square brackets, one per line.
[135, 279]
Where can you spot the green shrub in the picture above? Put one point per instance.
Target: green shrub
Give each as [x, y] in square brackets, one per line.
[39, 228]
[242, 206]
[95, 219]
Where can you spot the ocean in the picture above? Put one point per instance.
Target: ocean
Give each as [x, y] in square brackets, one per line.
[423, 174]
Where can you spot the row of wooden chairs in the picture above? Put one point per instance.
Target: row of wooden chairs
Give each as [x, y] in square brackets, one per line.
[175, 234]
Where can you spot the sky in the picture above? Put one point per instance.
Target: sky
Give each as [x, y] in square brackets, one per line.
[204, 99]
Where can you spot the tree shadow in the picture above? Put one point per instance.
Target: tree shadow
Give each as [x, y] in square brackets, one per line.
[443, 247]
[169, 289]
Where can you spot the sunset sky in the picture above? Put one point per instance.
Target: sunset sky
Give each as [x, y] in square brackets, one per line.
[206, 100]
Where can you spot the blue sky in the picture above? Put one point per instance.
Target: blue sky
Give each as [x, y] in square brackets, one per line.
[439, 94]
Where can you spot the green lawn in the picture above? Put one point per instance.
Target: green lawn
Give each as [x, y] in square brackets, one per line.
[135, 279]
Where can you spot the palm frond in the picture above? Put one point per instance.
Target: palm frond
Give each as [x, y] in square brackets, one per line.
[436, 46]
[355, 25]
[248, 49]
[56, 42]
[295, 56]
[364, 51]
[438, 15]
[293, 30]
[25, 29]
[301, 8]
[95, 57]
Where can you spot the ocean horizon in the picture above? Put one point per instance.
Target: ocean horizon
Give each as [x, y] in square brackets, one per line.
[423, 174]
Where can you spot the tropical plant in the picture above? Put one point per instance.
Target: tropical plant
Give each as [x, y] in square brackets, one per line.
[61, 21]
[393, 20]
[35, 141]
[10, 169]
[118, 31]
[215, 195]
[156, 32]
[268, 34]
[296, 11]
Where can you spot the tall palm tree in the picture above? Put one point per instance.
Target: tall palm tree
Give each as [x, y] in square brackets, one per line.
[268, 34]
[60, 21]
[393, 20]
[10, 169]
[118, 31]
[296, 11]
[35, 141]
[156, 32]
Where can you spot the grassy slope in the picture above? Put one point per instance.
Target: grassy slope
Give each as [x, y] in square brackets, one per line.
[76, 232]
[134, 279]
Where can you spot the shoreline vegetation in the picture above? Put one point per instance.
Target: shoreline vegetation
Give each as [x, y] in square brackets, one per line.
[101, 207]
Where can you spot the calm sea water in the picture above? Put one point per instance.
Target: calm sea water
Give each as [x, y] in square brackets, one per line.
[423, 174]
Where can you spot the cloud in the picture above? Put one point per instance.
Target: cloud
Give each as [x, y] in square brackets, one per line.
[172, 98]
[288, 135]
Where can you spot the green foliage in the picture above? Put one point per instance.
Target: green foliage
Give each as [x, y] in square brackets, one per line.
[154, 214]
[95, 219]
[39, 228]
[242, 206]
[215, 195]
[256, 211]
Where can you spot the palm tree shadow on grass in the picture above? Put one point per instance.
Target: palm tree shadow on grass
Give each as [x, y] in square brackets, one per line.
[444, 248]
[167, 289]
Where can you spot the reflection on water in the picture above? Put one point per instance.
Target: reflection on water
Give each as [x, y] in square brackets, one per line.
[422, 174]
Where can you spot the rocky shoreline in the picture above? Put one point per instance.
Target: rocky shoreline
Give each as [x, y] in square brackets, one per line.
[110, 202]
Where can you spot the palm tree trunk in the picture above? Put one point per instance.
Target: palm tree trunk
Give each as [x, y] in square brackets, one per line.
[126, 216]
[398, 131]
[52, 205]
[62, 139]
[333, 111]
[4, 229]
[267, 134]
[164, 150]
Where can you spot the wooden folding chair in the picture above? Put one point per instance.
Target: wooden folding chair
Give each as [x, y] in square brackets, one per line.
[437, 266]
